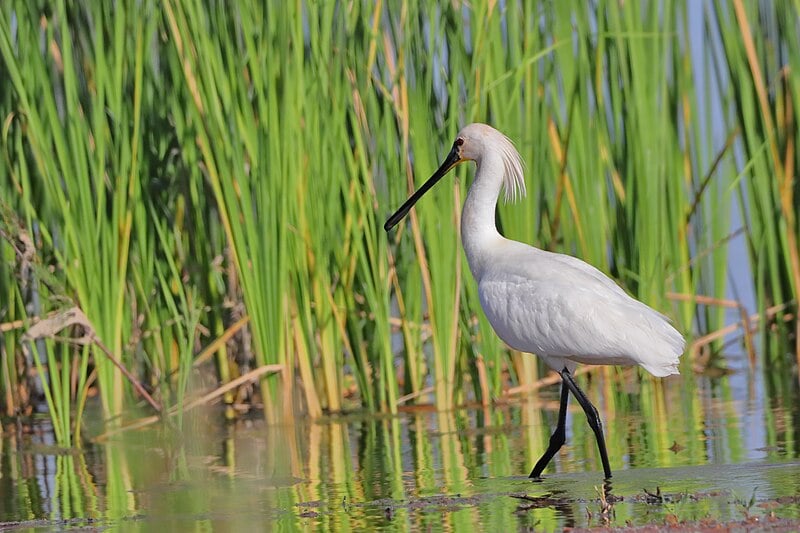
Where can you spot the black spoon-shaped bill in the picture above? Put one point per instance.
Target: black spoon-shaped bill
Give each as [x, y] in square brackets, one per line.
[452, 159]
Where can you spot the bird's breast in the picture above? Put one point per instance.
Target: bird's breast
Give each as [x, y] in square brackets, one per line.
[523, 319]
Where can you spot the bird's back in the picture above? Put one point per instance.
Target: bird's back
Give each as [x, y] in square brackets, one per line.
[566, 311]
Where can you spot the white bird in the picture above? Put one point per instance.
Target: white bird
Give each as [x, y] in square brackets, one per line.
[552, 305]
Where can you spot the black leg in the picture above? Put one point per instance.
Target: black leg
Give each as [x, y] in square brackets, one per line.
[558, 437]
[591, 415]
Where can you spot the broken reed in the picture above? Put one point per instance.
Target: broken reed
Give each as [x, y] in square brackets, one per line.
[178, 178]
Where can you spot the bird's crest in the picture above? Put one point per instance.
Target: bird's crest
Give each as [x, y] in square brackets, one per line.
[513, 176]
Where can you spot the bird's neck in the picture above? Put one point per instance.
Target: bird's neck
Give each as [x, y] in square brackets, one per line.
[478, 229]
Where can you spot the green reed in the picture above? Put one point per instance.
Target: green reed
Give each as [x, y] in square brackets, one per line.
[68, 146]
[220, 112]
[186, 165]
[78, 160]
[762, 92]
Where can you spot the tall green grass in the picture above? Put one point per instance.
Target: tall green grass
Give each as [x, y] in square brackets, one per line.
[79, 183]
[186, 166]
[762, 80]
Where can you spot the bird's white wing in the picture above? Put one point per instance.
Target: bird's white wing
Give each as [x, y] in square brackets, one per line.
[584, 271]
[557, 306]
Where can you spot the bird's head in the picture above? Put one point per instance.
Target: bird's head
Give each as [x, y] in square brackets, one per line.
[476, 140]
[473, 143]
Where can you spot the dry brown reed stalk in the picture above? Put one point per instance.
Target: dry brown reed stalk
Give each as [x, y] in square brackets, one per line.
[57, 321]
[220, 341]
[205, 399]
[749, 325]
[551, 379]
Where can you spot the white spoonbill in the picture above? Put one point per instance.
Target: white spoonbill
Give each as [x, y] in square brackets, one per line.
[552, 305]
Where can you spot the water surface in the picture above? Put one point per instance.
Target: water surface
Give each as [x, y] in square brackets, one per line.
[684, 449]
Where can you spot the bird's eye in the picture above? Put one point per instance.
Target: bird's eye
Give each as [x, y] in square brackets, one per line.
[459, 141]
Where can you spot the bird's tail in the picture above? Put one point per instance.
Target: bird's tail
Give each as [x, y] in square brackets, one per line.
[671, 345]
[662, 370]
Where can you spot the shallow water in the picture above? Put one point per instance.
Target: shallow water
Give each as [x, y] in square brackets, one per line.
[705, 449]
